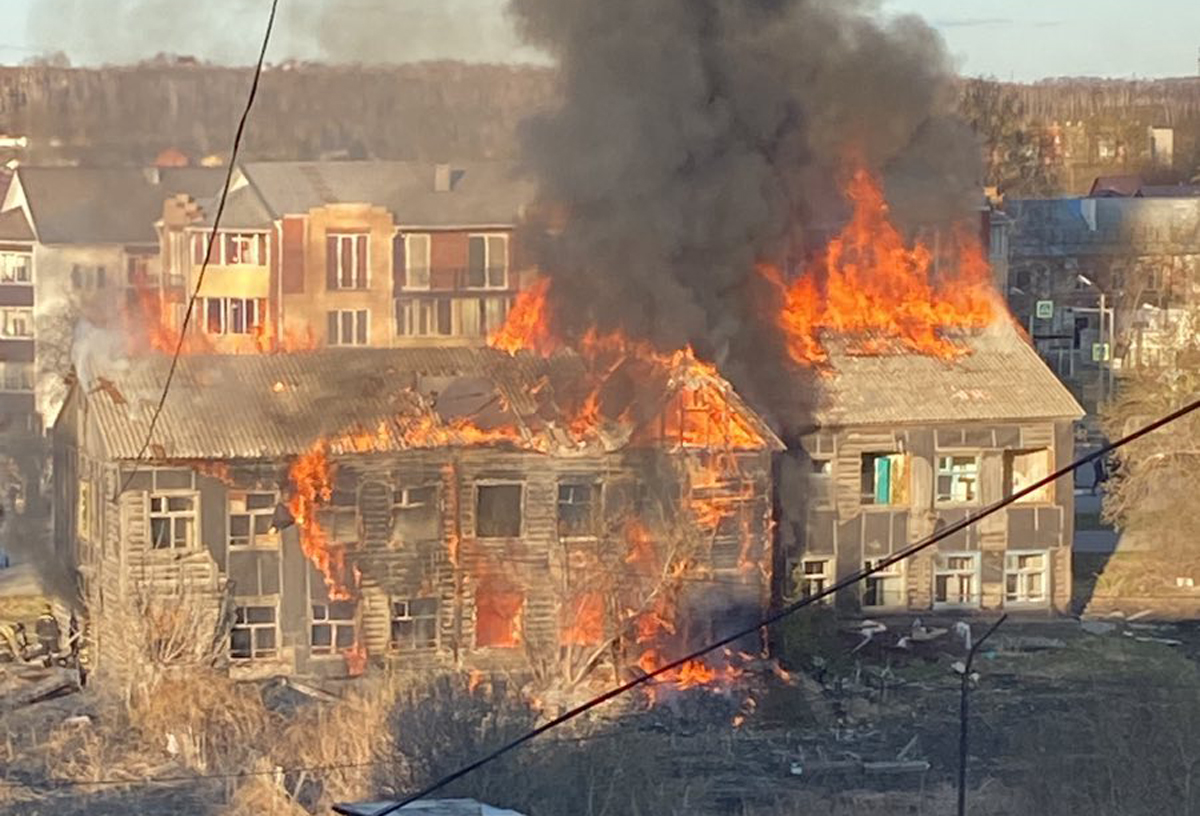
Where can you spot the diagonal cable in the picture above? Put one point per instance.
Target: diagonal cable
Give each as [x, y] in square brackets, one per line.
[212, 240]
[790, 609]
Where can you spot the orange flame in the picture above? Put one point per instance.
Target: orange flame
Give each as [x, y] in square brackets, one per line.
[527, 325]
[312, 483]
[873, 287]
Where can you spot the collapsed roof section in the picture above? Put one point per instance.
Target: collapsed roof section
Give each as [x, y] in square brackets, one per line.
[380, 400]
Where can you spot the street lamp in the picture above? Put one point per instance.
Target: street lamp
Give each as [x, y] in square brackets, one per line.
[1105, 363]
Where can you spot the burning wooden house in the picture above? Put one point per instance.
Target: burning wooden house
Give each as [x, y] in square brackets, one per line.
[932, 406]
[457, 508]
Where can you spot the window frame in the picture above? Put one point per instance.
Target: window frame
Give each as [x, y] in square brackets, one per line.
[492, 483]
[256, 240]
[938, 474]
[24, 380]
[193, 530]
[7, 279]
[355, 315]
[415, 644]
[976, 575]
[895, 572]
[9, 315]
[408, 264]
[252, 323]
[338, 275]
[825, 578]
[487, 256]
[1020, 573]
[416, 308]
[270, 540]
[334, 625]
[253, 628]
[595, 503]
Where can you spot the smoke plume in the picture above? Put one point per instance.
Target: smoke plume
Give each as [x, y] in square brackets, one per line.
[697, 137]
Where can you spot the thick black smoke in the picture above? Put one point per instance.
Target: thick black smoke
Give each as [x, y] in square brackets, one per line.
[697, 137]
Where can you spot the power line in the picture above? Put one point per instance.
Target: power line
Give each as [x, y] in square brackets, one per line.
[790, 609]
[212, 240]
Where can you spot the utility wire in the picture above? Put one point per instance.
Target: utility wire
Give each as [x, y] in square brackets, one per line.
[212, 240]
[790, 609]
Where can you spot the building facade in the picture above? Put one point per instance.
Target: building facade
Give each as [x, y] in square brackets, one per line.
[380, 254]
[907, 444]
[467, 520]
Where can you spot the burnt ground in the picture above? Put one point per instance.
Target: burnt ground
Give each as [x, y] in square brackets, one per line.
[1057, 705]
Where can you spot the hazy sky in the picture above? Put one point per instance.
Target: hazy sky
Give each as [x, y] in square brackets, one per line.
[1020, 39]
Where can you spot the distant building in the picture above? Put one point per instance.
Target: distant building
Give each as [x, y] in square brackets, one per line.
[355, 253]
[73, 240]
[908, 443]
[1127, 247]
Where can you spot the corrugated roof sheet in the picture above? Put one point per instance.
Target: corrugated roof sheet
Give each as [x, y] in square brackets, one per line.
[1001, 378]
[482, 193]
[271, 406]
[84, 205]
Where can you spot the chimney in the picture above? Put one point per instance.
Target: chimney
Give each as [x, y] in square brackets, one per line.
[441, 178]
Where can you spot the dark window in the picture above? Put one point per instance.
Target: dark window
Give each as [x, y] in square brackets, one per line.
[253, 634]
[444, 320]
[101, 277]
[414, 623]
[76, 277]
[477, 262]
[415, 514]
[498, 511]
[577, 510]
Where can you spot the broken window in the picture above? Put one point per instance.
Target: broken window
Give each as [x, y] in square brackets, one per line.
[332, 629]
[349, 327]
[884, 478]
[416, 514]
[816, 575]
[252, 519]
[884, 588]
[15, 267]
[416, 261]
[498, 607]
[346, 261]
[487, 262]
[1023, 468]
[956, 579]
[172, 521]
[498, 510]
[820, 482]
[958, 479]
[253, 635]
[1025, 577]
[578, 510]
[414, 623]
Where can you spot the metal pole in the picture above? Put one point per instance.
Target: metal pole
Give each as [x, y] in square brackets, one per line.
[963, 712]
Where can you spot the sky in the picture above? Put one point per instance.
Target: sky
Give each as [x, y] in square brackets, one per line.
[1007, 39]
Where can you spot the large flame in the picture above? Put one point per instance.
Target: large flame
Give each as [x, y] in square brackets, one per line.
[882, 294]
[312, 487]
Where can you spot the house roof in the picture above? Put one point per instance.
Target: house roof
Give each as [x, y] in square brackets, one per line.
[367, 400]
[1115, 186]
[429, 807]
[87, 205]
[14, 226]
[999, 378]
[481, 193]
